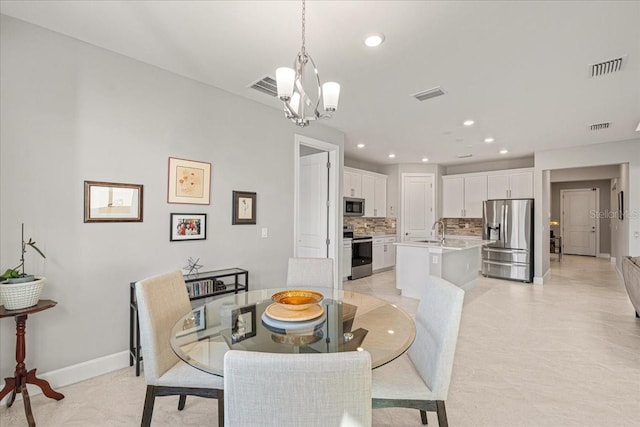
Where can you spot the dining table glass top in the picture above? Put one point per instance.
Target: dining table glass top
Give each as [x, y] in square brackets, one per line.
[344, 321]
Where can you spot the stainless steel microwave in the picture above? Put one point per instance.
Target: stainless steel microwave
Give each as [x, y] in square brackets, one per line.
[353, 206]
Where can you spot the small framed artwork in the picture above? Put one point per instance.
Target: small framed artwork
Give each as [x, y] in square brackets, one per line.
[189, 182]
[243, 323]
[244, 208]
[197, 322]
[621, 205]
[188, 226]
[112, 202]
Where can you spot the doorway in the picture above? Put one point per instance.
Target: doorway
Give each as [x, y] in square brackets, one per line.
[417, 202]
[316, 201]
[579, 226]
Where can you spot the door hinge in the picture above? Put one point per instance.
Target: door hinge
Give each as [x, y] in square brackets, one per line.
[430, 185]
[328, 242]
[328, 203]
[328, 165]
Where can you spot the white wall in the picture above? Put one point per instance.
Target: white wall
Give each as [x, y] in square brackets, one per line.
[72, 112]
[586, 156]
[496, 165]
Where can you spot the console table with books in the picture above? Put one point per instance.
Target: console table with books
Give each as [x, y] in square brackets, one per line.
[202, 285]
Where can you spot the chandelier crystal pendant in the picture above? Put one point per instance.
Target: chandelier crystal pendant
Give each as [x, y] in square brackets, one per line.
[299, 105]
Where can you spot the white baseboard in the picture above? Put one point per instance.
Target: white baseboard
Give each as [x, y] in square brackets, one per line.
[76, 373]
[602, 255]
[612, 260]
[540, 280]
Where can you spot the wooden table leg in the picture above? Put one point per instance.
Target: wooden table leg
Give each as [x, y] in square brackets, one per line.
[9, 386]
[27, 406]
[44, 385]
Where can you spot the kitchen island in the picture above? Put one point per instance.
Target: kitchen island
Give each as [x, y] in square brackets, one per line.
[457, 260]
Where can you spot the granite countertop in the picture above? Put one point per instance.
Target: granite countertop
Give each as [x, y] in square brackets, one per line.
[456, 244]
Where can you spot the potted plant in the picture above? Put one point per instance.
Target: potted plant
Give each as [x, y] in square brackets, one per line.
[17, 288]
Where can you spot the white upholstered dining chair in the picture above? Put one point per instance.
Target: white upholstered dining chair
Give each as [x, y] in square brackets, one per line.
[281, 390]
[162, 301]
[310, 273]
[420, 378]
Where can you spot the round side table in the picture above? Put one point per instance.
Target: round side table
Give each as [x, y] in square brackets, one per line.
[22, 377]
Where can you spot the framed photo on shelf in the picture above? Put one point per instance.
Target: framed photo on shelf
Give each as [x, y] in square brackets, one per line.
[187, 226]
[112, 202]
[189, 182]
[243, 323]
[195, 323]
[244, 208]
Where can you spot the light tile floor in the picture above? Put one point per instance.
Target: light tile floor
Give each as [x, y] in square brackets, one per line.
[563, 354]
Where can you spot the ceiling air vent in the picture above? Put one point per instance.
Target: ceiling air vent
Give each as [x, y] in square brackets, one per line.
[428, 94]
[266, 85]
[464, 156]
[607, 67]
[600, 126]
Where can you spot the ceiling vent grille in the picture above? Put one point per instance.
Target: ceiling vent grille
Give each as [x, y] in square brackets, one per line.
[607, 67]
[464, 156]
[600, 126]
[428, 94]
[266, 85]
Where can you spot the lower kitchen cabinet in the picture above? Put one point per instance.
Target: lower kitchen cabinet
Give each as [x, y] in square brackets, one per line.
[384, 252]
[346, 259]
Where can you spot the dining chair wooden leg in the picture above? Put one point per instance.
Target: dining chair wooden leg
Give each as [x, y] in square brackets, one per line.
[182, 401]
[149, 400]
[221, 408]
[423, 415]
[442, 414]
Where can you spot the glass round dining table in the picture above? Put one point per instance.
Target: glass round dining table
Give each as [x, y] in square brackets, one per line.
[345, 321]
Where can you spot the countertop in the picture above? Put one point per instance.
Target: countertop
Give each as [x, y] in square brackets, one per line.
[454, 244]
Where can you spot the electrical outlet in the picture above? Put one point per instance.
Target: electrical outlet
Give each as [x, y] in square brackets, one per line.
[265, 232]
[434, 259]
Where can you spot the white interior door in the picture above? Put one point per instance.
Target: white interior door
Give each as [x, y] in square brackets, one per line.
[417, 206]
[313, 194]
[579, 225]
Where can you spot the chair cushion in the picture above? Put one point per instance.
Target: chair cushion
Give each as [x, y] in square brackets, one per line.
[399, 379]
[184, 375]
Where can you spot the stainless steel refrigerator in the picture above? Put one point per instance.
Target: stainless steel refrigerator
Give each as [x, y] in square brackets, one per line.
[510, 223]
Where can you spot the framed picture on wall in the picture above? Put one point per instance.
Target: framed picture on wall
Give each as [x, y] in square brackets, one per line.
[189, 182]
[244, 208]
[112, 202]
[188, 226]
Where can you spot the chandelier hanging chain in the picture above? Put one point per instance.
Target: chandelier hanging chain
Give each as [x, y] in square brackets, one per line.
[303, 28]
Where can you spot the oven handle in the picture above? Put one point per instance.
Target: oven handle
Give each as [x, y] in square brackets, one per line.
[362, 240]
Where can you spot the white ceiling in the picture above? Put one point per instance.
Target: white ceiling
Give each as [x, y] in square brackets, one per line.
[519, 69]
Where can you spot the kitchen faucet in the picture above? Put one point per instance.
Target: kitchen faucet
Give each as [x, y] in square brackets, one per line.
[435, 227]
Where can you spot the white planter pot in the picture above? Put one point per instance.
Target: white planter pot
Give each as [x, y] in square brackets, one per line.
[15, 296]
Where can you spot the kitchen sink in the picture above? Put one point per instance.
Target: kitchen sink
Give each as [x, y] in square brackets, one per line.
[429, 241]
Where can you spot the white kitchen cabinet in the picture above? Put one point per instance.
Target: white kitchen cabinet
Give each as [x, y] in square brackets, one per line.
[384, 252]
[510, 185]
[462, 196]
[370, 186]
[346, 259]
[352, 183]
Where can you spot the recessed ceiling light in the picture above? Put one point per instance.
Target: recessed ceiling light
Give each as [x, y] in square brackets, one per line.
[425, 159]
[374, 40]
[504, 151]
[468, 122]
[489, 140]
[360, 145]
[392, 156]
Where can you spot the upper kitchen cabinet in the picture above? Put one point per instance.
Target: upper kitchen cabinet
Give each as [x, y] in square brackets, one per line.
[370, 186]
[462, 196]
[512, 184]
[352, 184]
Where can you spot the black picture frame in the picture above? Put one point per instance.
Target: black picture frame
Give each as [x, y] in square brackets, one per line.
[187, 226]
[621, 205]
[244, 208]
[243, 323]
[197, 322]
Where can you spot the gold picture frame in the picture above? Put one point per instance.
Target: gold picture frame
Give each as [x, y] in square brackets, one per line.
[189, 182]
[112, 202]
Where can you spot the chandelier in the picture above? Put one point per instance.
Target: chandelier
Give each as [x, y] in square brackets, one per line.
[299, 106]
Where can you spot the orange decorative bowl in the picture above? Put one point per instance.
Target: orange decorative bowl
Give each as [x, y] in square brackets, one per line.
[297, 299]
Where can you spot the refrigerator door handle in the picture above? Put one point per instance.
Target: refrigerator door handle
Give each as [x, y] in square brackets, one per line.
[506, 264]
[505, 215]
[507, 251]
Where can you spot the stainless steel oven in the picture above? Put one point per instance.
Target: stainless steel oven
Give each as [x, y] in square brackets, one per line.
[361, 253]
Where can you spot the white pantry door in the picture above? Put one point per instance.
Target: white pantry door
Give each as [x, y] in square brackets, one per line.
[578, 221]
[417, 206]
[313, 213]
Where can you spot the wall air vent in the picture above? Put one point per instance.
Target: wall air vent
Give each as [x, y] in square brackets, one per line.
[266, 85]
[600, 126]
[464, 156]
[428, 94]
[607, 67]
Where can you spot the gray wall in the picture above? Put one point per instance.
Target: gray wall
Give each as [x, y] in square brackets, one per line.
[524, 162]
[72, 112]
[605, 206]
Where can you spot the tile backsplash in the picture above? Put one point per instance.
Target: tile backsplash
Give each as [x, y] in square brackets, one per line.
[463, 226]
[362, 225]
